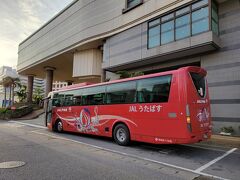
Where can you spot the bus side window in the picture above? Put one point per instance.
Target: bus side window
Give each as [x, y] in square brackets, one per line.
[77, 100]
[141, 97]
[93, 96]
[56, 102]
[108, 98]
[69, 101]
[121, 93]
[60, 100]
[84, 100]
[154, 89]
[97, 99]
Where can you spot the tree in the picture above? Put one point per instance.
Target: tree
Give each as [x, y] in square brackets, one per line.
[16, 83]
[126, 74]
[22, 93]
[38, 95]
[7, 82]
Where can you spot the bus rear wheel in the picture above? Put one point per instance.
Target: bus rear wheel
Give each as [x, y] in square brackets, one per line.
[59, 126]
[121, 135]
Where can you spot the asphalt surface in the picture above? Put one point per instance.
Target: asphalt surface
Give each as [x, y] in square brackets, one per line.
[51, 155]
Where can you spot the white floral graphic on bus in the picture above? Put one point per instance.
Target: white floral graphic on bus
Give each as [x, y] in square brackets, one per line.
[203, 115]
[84, 122]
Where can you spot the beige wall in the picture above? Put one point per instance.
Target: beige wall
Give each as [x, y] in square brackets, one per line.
[87, 63]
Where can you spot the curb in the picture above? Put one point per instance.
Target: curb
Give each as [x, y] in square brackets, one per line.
[227, 138]
[223, 141]
[30, 118]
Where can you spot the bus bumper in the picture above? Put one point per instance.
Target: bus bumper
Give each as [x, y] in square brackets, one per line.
[200, 137]
[49, 125]
[188, 140]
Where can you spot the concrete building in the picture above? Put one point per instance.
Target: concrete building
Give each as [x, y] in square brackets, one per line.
[58, 85]
[6, 71]
[90, 38]
[38, 83]
[6, 92]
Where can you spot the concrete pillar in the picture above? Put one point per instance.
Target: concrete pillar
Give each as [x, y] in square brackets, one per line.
[10, 95]
[13, 87]
[5, 96]
[103, 77]
[49, 79]
[30, 88]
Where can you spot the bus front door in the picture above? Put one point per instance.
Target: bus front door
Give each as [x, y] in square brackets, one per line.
[49, 107]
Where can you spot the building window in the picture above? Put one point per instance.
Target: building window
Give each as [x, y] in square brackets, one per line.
[199, 4]
[185, 22]
[215, 28]
[132, 3]
[167, 32]
[183, 27]
[200, 21]
[154, 34]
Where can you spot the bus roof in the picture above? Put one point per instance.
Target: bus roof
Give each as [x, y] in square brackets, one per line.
[88, 84]
[77, 85]
[74, 86]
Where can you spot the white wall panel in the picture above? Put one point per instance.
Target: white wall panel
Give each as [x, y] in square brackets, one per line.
[87, 63]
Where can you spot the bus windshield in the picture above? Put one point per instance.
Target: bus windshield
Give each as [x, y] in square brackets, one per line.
[199, 83]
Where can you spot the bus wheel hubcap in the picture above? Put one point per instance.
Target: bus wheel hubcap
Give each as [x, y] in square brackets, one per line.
[59, 126]
[121, 135]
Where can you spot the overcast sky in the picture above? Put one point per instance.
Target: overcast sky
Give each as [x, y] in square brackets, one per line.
[19, 19]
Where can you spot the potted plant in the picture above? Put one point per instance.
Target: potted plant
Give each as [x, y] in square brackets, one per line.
[227, 131]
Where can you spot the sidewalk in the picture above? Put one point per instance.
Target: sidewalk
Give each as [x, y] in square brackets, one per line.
[32, 115]
[226, 141]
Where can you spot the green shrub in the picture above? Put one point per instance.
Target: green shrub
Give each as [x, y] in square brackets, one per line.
[17, 113]
[227, 129]
[8, 114]
[3, 110]
[2, 115]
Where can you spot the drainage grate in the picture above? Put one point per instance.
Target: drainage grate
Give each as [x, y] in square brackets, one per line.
[11, 164]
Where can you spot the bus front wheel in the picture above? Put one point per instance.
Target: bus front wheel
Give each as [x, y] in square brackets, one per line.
[59, 126]
[121, 135]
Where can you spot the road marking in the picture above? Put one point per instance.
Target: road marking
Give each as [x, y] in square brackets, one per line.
[36, 130]
[14, 125]
[215, 160]
[11, 164]
[27, 124]
[131, 155]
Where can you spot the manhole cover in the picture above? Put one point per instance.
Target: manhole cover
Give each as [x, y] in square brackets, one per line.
[11, 164]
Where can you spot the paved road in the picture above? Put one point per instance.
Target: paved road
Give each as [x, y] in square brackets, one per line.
[70, 156]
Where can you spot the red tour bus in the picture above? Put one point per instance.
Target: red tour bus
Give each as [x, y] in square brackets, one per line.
[164, 108]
